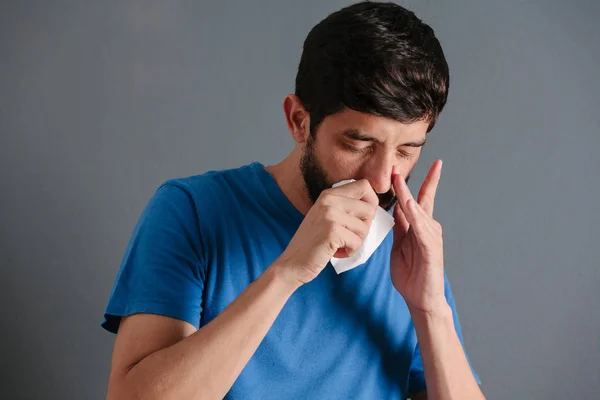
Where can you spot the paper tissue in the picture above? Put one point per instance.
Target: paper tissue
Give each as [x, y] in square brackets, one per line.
[380, 227]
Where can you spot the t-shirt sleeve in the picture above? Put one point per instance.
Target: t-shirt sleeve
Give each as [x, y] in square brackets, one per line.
[416, 381]
[162, 271]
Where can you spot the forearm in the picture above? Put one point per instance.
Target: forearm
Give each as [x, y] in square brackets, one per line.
[447, 371]
[206, 364]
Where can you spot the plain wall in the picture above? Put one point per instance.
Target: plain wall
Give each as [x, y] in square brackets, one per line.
[101, 101]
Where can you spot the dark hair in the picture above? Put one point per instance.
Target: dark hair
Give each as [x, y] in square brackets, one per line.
[376, 58]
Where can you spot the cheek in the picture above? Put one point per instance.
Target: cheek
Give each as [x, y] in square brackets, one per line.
[404, 168]
[343, 165]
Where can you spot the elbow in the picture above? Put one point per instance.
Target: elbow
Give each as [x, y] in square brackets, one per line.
[122, 387]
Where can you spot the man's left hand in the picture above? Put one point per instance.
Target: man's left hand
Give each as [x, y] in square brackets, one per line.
[417, 257]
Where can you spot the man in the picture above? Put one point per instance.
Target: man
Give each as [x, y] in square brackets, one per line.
[226, 291]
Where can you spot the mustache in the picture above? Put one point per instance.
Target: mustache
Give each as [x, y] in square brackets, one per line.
[388, 199]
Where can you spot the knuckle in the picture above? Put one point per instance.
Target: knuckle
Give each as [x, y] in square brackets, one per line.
[362, 231]
[368, 215]
[373, 212]
[332, 246]
[325, 197]
[331, 227]
[366, 186]
[365, 232]
[338, 242]
[328, 213]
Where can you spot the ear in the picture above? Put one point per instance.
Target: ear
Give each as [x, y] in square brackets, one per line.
[297, 118]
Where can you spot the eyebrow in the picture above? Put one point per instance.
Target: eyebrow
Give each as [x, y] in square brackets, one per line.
[354, 134]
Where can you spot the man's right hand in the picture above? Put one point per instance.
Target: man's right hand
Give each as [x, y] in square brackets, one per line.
[336, 225]
[165, 358]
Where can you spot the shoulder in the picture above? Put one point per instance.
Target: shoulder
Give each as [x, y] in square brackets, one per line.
[205, 201]
[209, 185]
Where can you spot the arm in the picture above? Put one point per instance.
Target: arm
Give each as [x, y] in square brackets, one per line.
[447, 371]
[417, 271]
[158, 357]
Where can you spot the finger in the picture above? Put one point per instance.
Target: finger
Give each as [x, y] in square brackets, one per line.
[360, 190]
[350, 242]
[402, 193]
[418, 215]
[354, 207]
[418, 222]
[356, 225]
[428, 189]
[416, 219]
[401, 225]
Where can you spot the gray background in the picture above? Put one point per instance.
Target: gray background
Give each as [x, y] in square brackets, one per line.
[102, 101]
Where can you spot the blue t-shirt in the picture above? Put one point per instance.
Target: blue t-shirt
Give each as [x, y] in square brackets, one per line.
[202, 240]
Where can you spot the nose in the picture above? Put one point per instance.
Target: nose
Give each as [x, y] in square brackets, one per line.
[379, 173]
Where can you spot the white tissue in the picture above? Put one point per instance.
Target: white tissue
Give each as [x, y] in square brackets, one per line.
[380, 227]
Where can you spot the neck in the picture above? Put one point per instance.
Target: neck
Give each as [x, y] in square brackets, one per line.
[289, 178]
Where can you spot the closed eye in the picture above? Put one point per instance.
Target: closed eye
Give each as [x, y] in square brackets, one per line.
[359, 150]
[406, 156]
[354, 149]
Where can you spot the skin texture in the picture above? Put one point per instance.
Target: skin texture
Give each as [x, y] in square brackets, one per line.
[417, 259]
[157, 357]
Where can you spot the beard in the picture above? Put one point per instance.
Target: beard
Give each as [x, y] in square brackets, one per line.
[316, 179]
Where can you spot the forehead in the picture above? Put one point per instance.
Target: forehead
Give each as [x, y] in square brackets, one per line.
[385, 130]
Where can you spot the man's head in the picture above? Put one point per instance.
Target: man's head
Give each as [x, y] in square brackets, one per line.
[371, 84]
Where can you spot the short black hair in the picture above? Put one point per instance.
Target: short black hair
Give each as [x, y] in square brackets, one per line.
[373, 57]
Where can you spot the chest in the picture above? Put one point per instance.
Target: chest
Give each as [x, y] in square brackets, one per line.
[350, 331]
